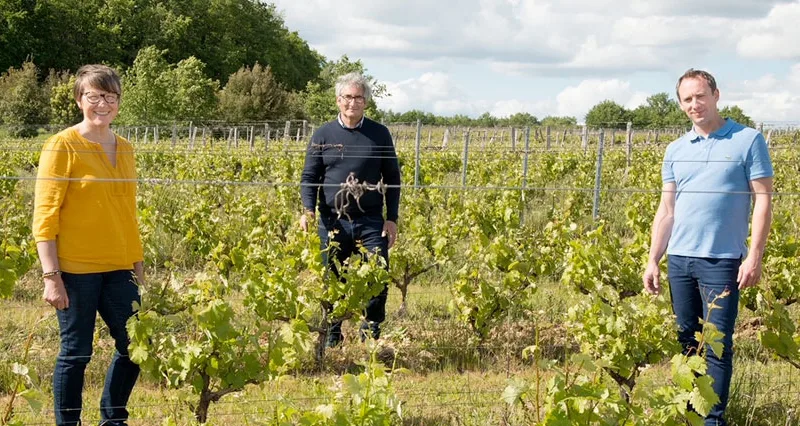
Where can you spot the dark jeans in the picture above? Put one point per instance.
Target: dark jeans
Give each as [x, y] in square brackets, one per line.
[694, 283]
[112, 295]
[367, 231]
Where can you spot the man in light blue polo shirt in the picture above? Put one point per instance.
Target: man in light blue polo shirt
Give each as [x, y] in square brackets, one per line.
[710, 175]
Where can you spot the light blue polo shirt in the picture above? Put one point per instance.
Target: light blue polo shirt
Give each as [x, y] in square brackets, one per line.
[712, 175]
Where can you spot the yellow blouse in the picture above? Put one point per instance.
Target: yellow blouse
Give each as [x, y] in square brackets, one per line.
[87, 205]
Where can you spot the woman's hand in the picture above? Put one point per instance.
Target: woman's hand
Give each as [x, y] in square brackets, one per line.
[55, 293]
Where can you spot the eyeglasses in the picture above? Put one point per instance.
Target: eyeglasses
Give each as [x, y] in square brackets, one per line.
[356, 99]
[94, 98]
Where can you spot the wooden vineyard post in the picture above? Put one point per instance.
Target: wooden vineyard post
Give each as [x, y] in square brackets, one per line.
[466, 157]
[549, 138]
[597, 178]
[585, 138]
[416, 153]
[525, 170]
[629, 143]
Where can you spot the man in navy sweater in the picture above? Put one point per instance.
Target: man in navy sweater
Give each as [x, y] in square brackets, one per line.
[352, 147]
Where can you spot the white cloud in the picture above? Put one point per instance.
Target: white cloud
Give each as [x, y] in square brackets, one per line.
[436, 93]
[594, 55]
[422, 92]
[727, 8]
[673, 31]
[775, 36]
[769, 98]
[539, 109]
[576, 101]
[592, 48]
[546, 36]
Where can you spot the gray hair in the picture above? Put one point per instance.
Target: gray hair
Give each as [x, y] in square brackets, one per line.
[354, 79]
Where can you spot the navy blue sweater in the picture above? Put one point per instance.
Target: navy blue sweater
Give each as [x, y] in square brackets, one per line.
[335, 152]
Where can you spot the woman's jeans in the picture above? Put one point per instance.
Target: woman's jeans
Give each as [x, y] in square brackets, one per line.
[111, 294]
[694, 284]
[365, 230]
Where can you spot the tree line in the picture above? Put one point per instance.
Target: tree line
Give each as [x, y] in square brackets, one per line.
[202, 60]
[223, 34]
[659, 111]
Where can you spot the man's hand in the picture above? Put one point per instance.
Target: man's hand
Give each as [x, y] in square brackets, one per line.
[749, 272]
[54, 292]
[652, 278]
[307, 216]
[390, 231]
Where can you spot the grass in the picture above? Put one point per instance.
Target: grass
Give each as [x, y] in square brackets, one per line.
[448, 381]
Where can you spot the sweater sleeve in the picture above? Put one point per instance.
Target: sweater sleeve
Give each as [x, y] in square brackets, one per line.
[313, 173]
[390, 172]
[51, 186]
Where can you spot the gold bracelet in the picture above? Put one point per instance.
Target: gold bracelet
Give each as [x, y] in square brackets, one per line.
[51, 273]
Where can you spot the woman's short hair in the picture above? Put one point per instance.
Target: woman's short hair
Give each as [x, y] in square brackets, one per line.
[98, 76]
[354, 79]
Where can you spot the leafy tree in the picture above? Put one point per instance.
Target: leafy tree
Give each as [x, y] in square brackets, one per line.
[145, 89]
[520, 119]
[412, 117]
[57, 34]
[157, 91]
[253, 95]
[63, 108]
[608, 114]
[319, 97]
[554, 121]
[486, 120]
[459, 120]
[24, 103]
[224, 34]
[195, 94]
[660, 111]
[736, 113]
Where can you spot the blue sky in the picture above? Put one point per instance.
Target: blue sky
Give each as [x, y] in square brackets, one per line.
[560, 57]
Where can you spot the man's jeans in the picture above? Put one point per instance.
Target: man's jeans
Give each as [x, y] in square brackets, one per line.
[694, 283]
[367, 231]
[112, 295]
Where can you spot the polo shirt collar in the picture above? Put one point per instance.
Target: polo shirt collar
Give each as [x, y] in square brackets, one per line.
[341, 123]
[719, 133]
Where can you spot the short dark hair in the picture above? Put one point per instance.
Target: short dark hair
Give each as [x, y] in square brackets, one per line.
[693, 73]
[99, 76]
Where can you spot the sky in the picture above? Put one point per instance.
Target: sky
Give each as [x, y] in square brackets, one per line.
[560, 57]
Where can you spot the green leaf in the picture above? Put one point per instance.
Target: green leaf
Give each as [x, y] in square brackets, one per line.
[35, 399]
[138, 354]
[703, 396]
[695, 419]
[513, 392]
[682, 374]
[351, 384]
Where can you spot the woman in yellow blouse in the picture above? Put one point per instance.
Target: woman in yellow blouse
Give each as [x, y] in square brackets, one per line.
[87, 235]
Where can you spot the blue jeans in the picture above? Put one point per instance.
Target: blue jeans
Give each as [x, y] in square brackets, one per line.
[694, 283]
[111, 294]
[367, 231]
